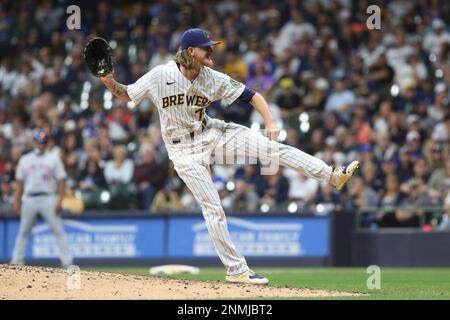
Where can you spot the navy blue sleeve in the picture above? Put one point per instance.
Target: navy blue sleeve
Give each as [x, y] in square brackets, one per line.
[247, 95]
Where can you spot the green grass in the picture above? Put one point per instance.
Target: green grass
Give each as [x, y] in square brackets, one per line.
[396, 283]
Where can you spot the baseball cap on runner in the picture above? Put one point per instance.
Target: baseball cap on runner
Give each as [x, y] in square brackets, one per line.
[196, 38]
[40, 136]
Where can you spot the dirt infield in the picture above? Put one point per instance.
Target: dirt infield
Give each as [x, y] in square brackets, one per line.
[53, 284]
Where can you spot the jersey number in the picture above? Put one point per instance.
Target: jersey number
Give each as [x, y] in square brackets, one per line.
[201, 117]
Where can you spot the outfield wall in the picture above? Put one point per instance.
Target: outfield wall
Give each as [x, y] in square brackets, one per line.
[406, 247]
[131, 238]
[276, 239]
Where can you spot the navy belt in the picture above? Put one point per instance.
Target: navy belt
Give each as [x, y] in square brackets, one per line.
[38, 194]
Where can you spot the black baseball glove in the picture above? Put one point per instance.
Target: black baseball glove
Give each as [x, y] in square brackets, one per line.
[98, 56]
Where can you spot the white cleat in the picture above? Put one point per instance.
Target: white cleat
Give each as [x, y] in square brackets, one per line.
[342, 175]
[247, 277]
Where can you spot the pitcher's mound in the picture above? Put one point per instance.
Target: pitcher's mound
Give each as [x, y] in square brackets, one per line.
[48, 283]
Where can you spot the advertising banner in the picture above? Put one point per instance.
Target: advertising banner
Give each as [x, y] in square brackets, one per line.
[253, 237]
[2, 241]
[96, 238]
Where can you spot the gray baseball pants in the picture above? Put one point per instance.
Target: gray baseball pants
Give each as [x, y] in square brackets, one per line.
[31, 208]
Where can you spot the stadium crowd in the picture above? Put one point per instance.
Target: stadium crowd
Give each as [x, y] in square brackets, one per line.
[339, 90]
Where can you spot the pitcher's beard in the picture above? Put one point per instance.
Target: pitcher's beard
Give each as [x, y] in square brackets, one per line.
[209, 62]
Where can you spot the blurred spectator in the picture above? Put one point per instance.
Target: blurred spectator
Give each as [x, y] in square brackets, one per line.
[410, 98]
[188, 202]
[341, 100]
[413, 206]
[120, 169]
[5, 155]
[261, 80]
[149, 175]
[168, 198]
[400, 52]
[91, 183]
[397, 130]
[8, 74]
[405, 167]
[330, 123]
[380, 76]
[414, 144]
[445, 222]
[302, 189]
[144, 115]
[435, 39]
[6, 195]
[72, 201]
[439, 109]
[388, 166]
[371, 50]
[315, 95]
[297, 29]
[408, 75]
[384, 149]
[277, 189]
[418, 183]
[392, 197]
[118, 174]
[327, 200]
[383, 115]
[72, 165]
[243, 198]
[71, 144]
[162, 56]
[439, 182]
[235, 67]
[330, 153]
[371, 177]
[119, 123]
[289, 102]
[400, 7]
[435, 153]
[444, 55]
[222, 190]
[363, 196]
[91, 177]
[53, 147]
[250, 174]
[441, 131]
[360, 125]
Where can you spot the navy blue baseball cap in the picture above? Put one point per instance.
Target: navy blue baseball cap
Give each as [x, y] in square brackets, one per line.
[40, 136]
[196, 38]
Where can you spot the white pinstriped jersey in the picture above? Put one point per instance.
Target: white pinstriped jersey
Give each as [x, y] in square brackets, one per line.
[181, 103]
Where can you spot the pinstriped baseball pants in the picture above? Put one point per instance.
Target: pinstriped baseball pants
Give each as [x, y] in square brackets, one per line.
[233, 143]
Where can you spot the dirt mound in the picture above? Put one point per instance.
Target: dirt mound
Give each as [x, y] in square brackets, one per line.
[57, 284]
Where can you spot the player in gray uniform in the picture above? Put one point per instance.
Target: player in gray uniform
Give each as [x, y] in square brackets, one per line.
[39, 190]
[182, 90]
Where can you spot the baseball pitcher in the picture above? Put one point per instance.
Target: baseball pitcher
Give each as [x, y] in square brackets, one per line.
[181, 90]
[39, 190]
